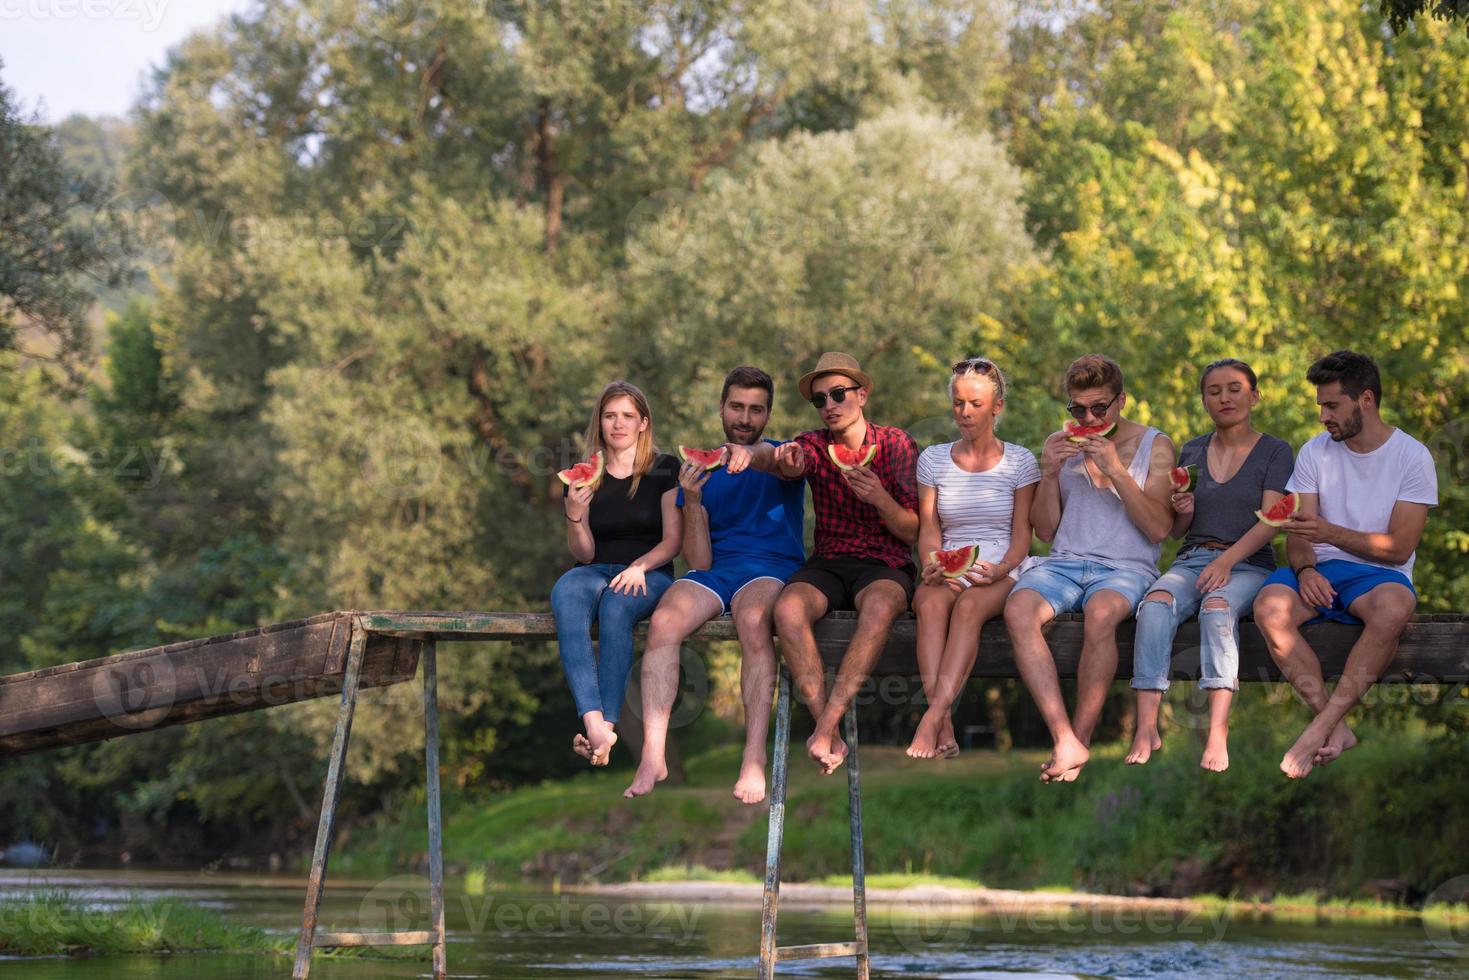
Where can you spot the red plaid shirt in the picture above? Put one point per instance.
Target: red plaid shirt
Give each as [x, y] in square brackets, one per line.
[846, 526]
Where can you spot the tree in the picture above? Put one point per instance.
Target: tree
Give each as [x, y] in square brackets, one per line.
[56, 243]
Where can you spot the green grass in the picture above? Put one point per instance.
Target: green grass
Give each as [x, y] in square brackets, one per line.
[1328, 844]
[52, 923]
[698, 872]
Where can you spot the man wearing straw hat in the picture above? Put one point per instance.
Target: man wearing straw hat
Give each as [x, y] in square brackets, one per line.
[866, 524]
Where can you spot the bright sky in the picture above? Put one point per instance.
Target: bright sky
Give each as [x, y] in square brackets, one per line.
[92, 56]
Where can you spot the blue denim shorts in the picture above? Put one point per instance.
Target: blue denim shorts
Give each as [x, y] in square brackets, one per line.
[1350, 579]
[1068, 584]
[726, 578]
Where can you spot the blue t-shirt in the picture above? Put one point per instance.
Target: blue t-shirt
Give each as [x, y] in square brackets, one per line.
[754, 515]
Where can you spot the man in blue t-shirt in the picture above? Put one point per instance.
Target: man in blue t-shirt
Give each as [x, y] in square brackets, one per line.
[742, 538]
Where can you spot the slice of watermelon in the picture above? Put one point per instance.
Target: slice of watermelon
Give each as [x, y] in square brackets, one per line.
[955, 562]
[850, 459]
[708, 459]
[1184, 478]
[1076, 432]
[1285, 508]
[584, 474]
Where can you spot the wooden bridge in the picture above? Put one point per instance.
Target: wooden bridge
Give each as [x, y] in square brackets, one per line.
[340, 653]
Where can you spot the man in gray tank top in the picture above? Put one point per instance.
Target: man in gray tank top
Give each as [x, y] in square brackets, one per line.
[1103, 504]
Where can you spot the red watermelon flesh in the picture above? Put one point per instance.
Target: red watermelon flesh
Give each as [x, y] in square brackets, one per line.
[708, 459]
[850, 459]
[1285, 508]
[955, 562]
[1184, 478]
[583, 474]
[1077, 432]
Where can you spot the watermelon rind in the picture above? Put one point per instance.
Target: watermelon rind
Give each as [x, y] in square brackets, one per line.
[691, 455]
[1072, 427]
[1270, 517]
[567, 476]
[949, 561]
[867, 458]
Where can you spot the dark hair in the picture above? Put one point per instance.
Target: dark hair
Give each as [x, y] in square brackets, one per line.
[1094, 371]
[746, 376]
[1230, 362]
[1356, 372]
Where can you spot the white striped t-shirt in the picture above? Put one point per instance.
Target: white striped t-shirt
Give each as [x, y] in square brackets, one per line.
[977, 508]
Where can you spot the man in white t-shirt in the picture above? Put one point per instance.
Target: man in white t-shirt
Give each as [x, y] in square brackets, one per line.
[1365, 489]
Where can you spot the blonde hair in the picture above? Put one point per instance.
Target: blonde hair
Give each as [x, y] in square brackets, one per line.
[646, 450]
[980, 367]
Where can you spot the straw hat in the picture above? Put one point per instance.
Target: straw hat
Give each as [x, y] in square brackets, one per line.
[833, 362]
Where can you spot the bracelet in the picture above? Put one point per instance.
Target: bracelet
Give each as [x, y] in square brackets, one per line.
[1304, 568]
[577, 521]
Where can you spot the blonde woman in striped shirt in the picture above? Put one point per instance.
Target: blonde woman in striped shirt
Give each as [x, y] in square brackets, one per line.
[976, 490]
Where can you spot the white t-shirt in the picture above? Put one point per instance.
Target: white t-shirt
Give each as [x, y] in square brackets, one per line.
[1358, 490]
[977, 508]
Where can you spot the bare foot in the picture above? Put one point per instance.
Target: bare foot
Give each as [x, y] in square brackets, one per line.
[1144, 744]
[1301, 757]
[925, 744]
[750, 787]
[601, 738]
[948, 745]
[649, 774]
[1066, 762]
[581, 746]
[1216, 751]
[827, 751]
[1340, 740]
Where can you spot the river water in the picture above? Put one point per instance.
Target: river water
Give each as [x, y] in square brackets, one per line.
[526, 934]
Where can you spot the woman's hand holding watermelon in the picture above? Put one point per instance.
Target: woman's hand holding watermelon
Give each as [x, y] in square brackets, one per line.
[982, 573]
[577, 501]
[629, 581]
[1183, 503]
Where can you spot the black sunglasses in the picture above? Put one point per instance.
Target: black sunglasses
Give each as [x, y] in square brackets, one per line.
[838, 395]
[1098, 409]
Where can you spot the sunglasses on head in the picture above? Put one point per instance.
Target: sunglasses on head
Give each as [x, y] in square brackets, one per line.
[979, 365]
[1097, 410]
[838, 395]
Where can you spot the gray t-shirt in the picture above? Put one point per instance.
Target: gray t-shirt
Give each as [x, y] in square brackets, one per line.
[1224, 512]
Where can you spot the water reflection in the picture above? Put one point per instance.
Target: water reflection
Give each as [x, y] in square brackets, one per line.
[503, 935]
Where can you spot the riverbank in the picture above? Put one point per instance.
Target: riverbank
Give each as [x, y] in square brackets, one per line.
[1354, 832]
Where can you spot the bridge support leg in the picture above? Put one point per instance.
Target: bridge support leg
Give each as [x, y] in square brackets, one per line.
[331, 792]
[435, 935]
[435, 822]
[770, 952]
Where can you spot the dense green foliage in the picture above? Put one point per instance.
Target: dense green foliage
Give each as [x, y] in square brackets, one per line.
[392, 259]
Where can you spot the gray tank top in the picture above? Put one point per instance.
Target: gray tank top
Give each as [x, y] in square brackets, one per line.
[1094, 523]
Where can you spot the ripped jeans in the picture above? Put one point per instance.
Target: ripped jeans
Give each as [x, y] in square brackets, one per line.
[1157, 622]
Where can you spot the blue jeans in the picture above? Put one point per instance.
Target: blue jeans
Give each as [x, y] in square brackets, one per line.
[1157, 622]
[598, 679]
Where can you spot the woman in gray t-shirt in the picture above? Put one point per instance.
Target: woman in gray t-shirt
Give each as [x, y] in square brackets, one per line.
[1225, 558]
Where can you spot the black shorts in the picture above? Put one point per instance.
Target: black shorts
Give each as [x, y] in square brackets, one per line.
[840, 579]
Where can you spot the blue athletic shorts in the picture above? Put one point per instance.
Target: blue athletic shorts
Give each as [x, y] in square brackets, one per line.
[727, 577]
[1351, 580]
